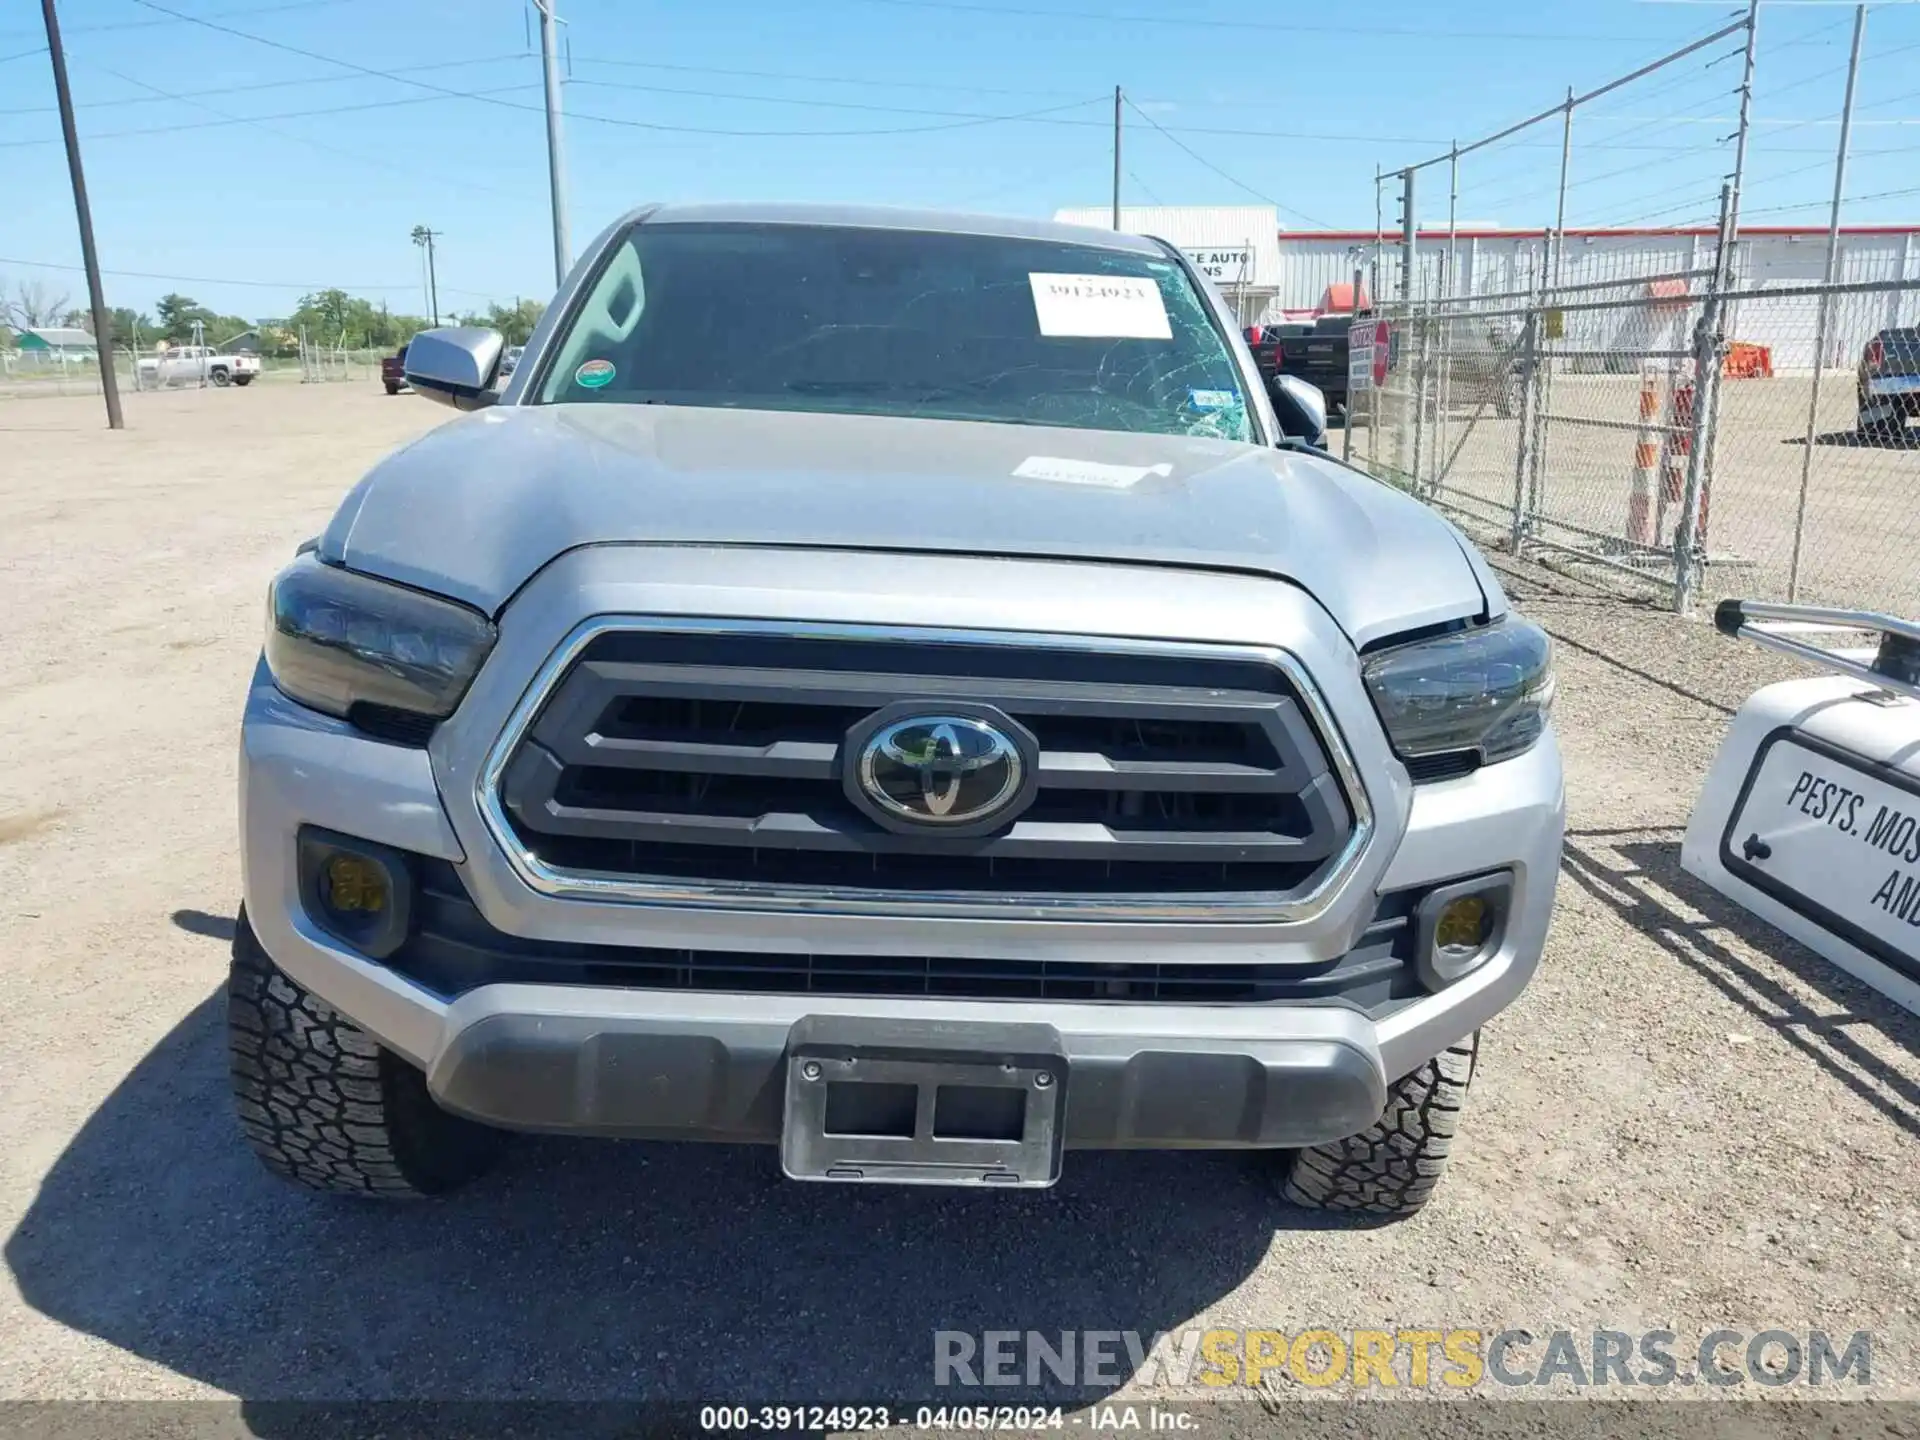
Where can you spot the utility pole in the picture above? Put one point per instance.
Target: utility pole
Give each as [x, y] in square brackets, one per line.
[1689, 541]
[1826, 301]
[96, 296]
[424, 237]
[1116, 157]
[1409, 234]
[556, 165]
[1560, 206]
[1746, 123]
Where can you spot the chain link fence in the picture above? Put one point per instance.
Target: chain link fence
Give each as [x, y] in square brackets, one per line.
[1572, 423]
[1700, 411]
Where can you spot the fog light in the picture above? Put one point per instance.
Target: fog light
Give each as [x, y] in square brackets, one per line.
[1462, 926]
[356, 891]
[1458, 928]
[353, 885]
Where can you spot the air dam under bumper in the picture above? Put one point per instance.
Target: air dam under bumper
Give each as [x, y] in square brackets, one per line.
[704, 1067]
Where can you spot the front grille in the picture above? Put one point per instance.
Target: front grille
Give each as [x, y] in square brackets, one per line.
[452, 949]
[715, 759]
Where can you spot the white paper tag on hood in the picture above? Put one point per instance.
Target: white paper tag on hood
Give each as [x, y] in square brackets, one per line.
[1100, 307]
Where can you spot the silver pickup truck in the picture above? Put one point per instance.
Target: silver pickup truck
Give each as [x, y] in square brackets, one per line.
[888, 686]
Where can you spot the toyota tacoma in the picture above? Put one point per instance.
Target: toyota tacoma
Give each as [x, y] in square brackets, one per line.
[891, 687]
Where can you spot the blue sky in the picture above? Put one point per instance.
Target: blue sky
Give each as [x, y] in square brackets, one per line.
[1278, 102]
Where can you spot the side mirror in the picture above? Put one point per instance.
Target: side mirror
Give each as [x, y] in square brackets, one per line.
[455, 366]
[1301, 409]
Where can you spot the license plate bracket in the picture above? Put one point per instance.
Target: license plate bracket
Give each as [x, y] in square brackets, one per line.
[911, 1102]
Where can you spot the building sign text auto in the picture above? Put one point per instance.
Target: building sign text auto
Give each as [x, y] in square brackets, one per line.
[1224, 265]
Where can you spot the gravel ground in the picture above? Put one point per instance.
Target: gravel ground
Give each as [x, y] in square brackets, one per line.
[1687, 1122]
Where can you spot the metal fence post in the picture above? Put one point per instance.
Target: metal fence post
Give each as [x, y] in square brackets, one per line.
[1708, 345]
[1826, 305]
[1528, 333]
[1540, 383]
[1422, 373]
[1353, 319]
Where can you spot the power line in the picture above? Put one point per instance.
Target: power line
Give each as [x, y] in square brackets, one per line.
[1145, 188]
[1844, 200]
[868, 81]
[23, 54]
[255, 119]
[378, 162]
[604, 119]
[224, 90]
[1037, 118]
[1188, 22]
[1231, 180]
[256, 10]
[210, 280]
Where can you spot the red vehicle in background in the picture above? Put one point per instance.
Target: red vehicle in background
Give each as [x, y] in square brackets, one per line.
[393, 370]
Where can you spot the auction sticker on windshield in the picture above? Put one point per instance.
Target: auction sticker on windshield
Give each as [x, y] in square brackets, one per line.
[1100, 307]
[1834, 841]
[593, 374]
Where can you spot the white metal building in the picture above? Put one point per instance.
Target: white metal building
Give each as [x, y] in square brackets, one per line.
[1269, 274]
[1492, 261]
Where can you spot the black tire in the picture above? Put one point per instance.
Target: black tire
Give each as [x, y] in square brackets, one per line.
[243, 380]
[220, 378]
[1390, 1169]
[324, 1105]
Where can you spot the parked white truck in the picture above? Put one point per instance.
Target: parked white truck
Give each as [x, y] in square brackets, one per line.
[192, 364]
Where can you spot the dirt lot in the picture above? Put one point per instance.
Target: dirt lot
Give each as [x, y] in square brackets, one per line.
[1862, 526]
[1686, 1123]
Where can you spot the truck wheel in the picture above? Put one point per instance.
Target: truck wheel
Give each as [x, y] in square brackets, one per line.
[322, 1103]
[219, 378]
[1390, 1169]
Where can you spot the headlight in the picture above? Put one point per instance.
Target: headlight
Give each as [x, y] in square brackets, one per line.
[1486, 690]
[336, 639]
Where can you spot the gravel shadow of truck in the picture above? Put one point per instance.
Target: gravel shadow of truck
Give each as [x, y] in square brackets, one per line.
[593, 1270]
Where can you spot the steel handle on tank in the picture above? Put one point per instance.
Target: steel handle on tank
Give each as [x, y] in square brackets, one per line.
[1895, 666]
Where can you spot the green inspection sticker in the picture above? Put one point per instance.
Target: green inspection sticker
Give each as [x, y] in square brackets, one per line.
[593, 374]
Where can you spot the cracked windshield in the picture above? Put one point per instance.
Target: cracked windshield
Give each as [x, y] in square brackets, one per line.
[901, 322]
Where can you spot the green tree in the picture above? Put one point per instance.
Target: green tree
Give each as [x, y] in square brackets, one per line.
[515, 321]
[131, 327]
[179, 313]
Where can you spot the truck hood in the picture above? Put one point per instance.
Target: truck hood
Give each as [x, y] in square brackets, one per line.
[475, 508]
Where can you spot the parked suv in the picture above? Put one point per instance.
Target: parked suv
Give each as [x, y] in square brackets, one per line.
[1888, 384]
[881, 685]
[393, 370]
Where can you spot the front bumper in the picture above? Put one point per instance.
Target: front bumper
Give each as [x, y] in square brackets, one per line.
[710, 1067]
[708, 1064]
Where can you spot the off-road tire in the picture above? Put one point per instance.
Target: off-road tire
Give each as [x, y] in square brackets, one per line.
[1391, 1168]
[324, 1105]
[220, 378]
